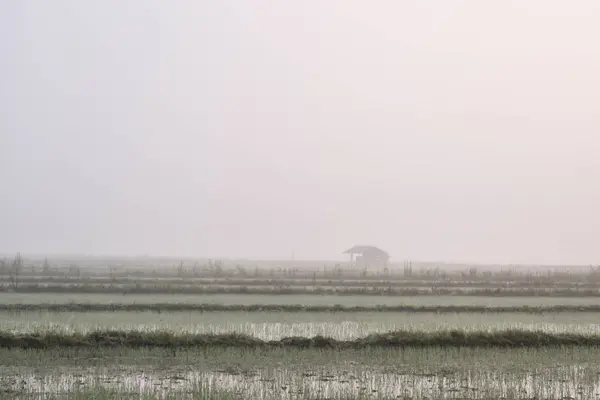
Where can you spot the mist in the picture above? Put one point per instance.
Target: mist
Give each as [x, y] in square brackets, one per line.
[461, 131]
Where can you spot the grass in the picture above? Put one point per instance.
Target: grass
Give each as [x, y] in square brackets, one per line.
[98, 392]
[237, 337]
[321, 300]
[166, 339]
[101, 393]
[417, 359]
[292, 308]
[382, 282]
[306, 374]
[276, 325]
[297, 290]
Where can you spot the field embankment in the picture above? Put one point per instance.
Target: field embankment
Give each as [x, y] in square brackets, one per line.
[159, 288]
[139, 339]
[375, 282]
[321, 300]
[291, 308]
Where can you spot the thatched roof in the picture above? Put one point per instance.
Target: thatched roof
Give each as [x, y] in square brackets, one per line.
[366, 250]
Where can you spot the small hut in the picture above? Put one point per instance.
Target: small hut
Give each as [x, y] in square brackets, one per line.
[368, 256]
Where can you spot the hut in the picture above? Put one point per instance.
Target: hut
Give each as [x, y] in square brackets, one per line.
[368, 256]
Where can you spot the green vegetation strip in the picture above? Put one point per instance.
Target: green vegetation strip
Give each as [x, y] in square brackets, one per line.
[167, 339]
[190, 307]
[379, 282]
[297, 290]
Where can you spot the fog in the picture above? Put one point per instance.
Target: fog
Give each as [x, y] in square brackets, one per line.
[436, 130]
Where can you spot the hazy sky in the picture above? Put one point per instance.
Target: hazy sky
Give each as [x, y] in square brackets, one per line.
[437, 130]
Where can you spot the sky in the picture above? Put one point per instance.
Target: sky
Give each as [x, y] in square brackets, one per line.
[459, 131]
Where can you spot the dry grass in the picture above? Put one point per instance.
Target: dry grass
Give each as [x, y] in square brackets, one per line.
[285, 308]
[159, 288]
[396, 282]
[167, 339]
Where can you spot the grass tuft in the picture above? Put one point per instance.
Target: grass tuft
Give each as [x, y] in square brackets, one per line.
[173, 307]
[166, 339]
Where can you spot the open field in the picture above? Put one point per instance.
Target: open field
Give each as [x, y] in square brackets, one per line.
[157, 288]
[352, 282]
[161, 267]
[17, 308]
[311, 374]
[314, 300]
[275, 326]
[143, 275]
[244, 332]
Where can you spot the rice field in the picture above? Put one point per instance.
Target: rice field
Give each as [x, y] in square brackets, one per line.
[460, 354]
[305, 374]
[153, 288]
[274, 326]
[307, 300]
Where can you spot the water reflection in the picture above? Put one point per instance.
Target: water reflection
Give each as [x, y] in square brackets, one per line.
[343, 382]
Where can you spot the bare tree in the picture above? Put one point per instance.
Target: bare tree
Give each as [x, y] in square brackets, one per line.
[74, 271]
[17, 267]
[46, 267]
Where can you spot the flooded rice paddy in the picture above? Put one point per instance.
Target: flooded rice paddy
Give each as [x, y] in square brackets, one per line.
[310, 374]
[362, 300]
[276, 325]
